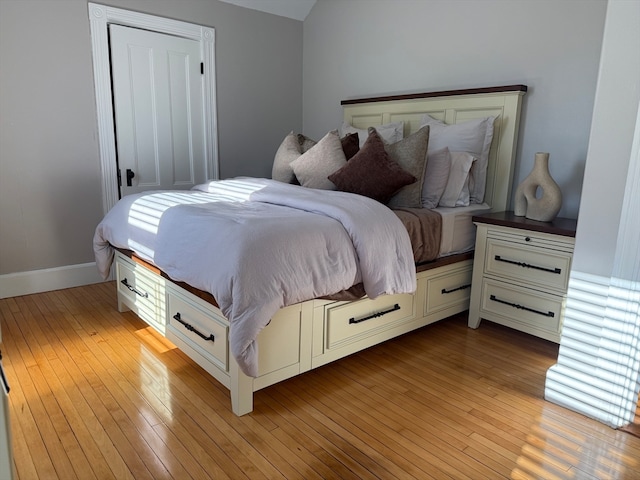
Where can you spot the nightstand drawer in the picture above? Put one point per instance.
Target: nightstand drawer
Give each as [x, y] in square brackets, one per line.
[544, 267]
[202, 330]
[352, 321]
[528, 310]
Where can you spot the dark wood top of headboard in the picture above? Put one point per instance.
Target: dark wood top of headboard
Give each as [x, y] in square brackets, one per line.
[444, 93]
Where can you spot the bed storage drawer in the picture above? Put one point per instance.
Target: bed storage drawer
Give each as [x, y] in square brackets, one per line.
[448, 289]
[349, 322]
[142, 291]
[531, 311]
[204, 330]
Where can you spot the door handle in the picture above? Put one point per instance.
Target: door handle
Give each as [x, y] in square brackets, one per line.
[130, 176]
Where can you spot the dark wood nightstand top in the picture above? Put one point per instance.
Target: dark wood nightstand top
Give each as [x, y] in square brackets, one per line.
[558, 226]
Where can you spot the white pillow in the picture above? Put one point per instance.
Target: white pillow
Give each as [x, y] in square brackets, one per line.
[474, 137]
[314, 166]
[456, 193]
[390, 132]
[435, 177]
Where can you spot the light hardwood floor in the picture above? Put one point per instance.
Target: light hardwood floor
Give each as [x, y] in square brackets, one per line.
[98, 394]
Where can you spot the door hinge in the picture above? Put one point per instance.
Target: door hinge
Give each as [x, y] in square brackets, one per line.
[119, 178]
[201, 68]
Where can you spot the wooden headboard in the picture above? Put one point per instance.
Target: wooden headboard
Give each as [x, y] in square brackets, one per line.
[455, 106]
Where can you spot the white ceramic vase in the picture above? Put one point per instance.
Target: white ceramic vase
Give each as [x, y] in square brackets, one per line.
[527, 203]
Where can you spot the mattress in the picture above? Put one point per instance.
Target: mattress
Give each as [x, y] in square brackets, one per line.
[458, 230]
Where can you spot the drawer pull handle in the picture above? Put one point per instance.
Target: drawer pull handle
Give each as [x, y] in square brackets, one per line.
[190, 327]
[134, 289]
[526, 265]
[461, 287]
[353, 320]
[521, 307]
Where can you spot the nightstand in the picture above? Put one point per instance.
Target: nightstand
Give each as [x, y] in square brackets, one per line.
[521, 272]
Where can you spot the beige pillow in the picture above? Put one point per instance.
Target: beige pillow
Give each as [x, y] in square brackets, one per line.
[411, 155]
[287, 152]
[314, 166]
[293, 145]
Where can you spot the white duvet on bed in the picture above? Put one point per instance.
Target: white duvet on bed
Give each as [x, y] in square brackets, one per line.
[258, 245]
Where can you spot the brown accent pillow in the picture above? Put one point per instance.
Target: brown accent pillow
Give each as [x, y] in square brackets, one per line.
[350, 144]
[372, 172]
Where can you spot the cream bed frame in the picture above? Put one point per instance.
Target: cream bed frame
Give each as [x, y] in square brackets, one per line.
[313, 333]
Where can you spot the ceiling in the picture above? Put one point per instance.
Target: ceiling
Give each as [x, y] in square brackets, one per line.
[296, 9]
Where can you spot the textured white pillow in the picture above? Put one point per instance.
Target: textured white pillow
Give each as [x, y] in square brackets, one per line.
[456, 193]
[473, 136]
[314, 166]
[435, 177]
[390, 132]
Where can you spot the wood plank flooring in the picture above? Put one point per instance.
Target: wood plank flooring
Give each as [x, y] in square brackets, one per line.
[96, 394]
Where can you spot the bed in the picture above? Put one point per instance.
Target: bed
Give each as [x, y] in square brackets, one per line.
[306, 330]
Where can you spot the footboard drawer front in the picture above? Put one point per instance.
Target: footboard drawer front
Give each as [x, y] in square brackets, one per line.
[448, 289]
[204, 330]
[347, 323]
[142, 291]
[532, 311]
[542, 266]
[281, 347]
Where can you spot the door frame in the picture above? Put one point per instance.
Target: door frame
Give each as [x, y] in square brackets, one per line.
[100, 16]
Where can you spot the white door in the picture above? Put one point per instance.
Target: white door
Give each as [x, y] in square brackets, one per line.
[158, 108]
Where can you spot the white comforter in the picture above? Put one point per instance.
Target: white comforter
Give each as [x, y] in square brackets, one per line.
[258, 245]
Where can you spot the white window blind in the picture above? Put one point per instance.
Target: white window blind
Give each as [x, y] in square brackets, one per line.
[599, 357]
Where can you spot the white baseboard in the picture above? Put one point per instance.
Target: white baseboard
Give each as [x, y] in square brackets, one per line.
[36, 281]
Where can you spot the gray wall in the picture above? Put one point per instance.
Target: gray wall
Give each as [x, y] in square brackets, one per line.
[610, 145]
[50, 186]
[361, 48]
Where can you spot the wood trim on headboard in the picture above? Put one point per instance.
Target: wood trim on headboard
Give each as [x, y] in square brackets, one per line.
[444, 93]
